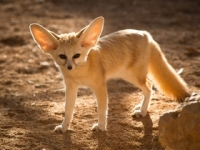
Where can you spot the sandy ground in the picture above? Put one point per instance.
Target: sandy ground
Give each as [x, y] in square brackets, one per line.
[31, 88]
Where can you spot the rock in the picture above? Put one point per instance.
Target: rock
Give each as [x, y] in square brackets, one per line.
[179, 129]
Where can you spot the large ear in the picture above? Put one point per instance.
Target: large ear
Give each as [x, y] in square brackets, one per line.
[78, 34]
[90, 34]
[43, 37]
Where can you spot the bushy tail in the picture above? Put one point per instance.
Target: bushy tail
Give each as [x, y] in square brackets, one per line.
[164, 76]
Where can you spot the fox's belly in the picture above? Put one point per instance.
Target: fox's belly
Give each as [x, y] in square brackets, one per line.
[116, 74]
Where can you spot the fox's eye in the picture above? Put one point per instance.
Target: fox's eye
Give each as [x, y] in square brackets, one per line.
[62, 56]
[76, 56]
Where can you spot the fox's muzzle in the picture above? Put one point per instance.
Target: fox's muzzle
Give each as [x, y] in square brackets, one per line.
[69, 67]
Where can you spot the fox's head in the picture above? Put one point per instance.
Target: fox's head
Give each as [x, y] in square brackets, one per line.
[68, 50]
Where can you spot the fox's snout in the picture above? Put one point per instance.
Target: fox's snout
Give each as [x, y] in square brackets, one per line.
[69, 67]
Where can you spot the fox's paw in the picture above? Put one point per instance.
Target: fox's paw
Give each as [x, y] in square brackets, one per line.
[61, 129]
[139, 114]
[137, 107]
[97, 127]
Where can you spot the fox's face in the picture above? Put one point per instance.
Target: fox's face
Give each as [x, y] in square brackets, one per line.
[68, 50]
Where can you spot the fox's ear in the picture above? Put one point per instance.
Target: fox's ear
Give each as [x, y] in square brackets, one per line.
[79, 34]
[89, 35]
[43, 37]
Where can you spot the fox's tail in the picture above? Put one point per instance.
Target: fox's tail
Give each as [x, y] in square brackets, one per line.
[164, 76]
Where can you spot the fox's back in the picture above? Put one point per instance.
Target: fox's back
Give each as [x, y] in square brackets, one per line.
[123, 49]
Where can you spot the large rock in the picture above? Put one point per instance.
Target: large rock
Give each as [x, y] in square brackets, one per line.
[180, 129]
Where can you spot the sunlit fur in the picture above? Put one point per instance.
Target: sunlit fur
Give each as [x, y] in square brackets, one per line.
[128, 54]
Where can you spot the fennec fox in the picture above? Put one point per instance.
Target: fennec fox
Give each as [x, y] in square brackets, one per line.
[85, 59]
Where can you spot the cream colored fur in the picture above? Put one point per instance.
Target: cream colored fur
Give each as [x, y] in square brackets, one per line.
[128, 54]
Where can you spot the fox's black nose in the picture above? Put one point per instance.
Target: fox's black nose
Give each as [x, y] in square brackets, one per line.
[69, 67]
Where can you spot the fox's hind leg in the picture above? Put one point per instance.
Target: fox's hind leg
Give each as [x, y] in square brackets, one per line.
[150, 86]
[145, 85]
[140, 110]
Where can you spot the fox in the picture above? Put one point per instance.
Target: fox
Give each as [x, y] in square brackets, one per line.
[87, 59]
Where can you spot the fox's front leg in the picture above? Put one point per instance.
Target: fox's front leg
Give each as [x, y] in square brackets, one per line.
[70, 95]
[102, 101]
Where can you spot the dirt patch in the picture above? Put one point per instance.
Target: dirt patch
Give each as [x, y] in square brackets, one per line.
[31, 88]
